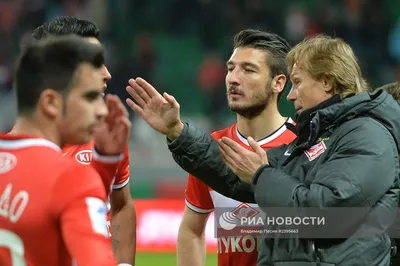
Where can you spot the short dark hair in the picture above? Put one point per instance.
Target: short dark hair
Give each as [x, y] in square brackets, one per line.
[66, 25]
[393, 89]
[51, 63]
[276, 46]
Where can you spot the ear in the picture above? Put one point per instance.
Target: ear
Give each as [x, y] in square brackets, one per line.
[51, 103]
[278, 84]
[327, 83]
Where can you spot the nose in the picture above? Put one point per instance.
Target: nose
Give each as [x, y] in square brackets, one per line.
[291, 97]
[232, 78]
[106, 73]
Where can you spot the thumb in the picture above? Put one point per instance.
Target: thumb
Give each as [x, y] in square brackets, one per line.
[171, 99]
[255, 146]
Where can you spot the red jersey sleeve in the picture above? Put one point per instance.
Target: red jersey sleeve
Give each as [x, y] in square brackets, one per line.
[79, 205]
[123, 172]
[106, 166]
[198, 196]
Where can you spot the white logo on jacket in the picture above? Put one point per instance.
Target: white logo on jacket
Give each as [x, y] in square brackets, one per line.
[315, 150]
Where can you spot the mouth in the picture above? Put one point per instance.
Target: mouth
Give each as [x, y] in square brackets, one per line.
[299, 110]
[235, 93]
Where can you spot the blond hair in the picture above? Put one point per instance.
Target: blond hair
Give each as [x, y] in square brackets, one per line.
[393, 89]
[325, 57]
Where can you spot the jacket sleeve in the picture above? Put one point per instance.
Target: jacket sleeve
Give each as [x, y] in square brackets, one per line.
[361, 169]
[198, 154]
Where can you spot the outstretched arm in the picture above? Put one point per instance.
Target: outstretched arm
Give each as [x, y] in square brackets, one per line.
[193, 149]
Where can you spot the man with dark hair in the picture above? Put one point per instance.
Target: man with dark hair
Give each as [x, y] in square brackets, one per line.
[256, 77]
[67, 25]
[110, 155]
[53, 210]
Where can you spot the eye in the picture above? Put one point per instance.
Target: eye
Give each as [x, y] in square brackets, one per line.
[249, 70]
[93, 96]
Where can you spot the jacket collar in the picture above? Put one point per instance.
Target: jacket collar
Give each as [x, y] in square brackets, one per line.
[303, 126]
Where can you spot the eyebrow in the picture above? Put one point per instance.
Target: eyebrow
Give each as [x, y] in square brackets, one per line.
[244, 64]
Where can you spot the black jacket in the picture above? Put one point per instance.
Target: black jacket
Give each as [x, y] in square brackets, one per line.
[358, 167]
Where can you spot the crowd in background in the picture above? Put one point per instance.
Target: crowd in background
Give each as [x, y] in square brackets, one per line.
[181, 47]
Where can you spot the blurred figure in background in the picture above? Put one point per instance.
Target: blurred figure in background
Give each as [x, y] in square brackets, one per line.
[53, 210]
[210, 78]
[111, 161]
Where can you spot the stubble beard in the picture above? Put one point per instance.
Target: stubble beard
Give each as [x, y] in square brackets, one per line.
[258, 104]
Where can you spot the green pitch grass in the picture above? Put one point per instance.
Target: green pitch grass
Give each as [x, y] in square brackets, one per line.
[166, 259]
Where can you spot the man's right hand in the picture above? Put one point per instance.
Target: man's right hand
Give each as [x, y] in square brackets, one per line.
[161, 112]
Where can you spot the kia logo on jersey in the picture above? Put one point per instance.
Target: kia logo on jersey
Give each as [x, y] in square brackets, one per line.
[84, 156]
[7, 162]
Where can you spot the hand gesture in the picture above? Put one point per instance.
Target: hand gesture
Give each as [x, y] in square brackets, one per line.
[242, 162]
[161, 112]
[112, 135]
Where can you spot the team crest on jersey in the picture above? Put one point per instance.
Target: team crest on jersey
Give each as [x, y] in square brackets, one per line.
[315, 151]
[7, 162]
[84, 156]
[229, 220]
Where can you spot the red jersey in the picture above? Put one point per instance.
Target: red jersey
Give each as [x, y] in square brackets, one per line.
[202, 199]
[52, 209]
[114, 170]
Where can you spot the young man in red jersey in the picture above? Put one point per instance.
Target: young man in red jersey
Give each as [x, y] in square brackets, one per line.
[52, 209]
[255, 80]
[107, 152]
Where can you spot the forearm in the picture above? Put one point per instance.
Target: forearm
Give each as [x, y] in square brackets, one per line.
[191, 249]
[123, 224]
[198, 154]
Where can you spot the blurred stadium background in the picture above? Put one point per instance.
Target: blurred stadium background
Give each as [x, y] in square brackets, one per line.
[181, 46]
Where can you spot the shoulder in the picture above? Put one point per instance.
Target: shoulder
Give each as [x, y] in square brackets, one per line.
[367, 126]
[364, 133]
[226, 132]
[74, 176]
[81, 153]
[77, 148]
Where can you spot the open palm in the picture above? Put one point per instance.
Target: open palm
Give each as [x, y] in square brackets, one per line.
[161, 112]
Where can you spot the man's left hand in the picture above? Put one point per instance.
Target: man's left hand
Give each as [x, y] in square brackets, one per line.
[112, 134]
[244, 163]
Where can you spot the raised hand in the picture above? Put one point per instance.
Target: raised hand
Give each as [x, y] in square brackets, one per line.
[243, 163]
[161, 112]
[112, 135]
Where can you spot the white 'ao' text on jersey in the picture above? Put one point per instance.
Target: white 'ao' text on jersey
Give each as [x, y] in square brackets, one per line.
[12, 208]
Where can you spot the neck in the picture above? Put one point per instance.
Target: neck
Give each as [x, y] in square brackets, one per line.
[36, 127]
[267, 122]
